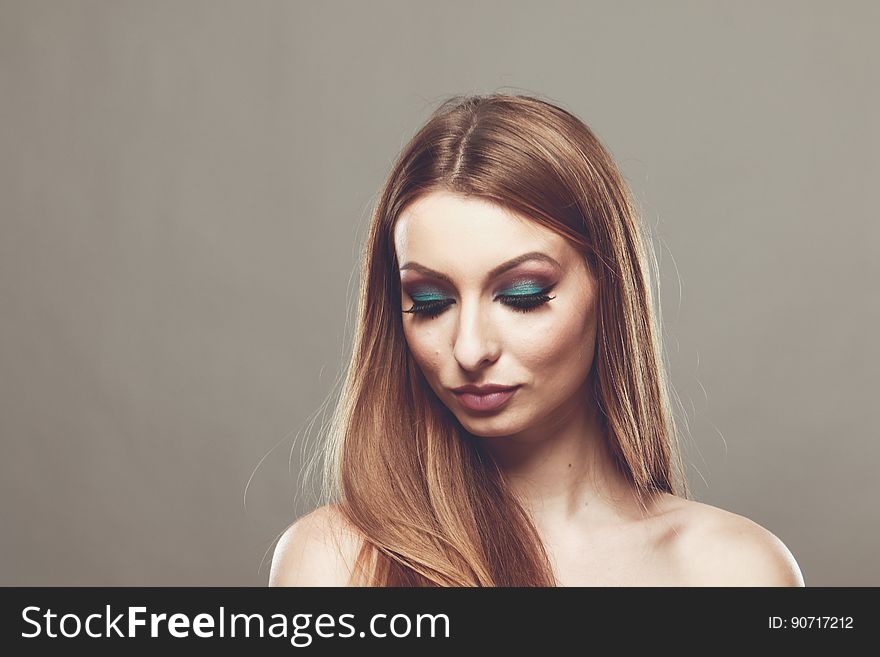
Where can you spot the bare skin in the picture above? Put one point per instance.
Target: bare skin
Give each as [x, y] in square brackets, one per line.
[546, 438]
[683, 543]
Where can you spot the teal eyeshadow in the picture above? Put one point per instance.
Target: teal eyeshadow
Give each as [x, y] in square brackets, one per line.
[523, 289]
[520, 289]
[427, 296]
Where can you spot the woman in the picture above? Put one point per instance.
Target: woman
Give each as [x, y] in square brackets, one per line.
[505, 419]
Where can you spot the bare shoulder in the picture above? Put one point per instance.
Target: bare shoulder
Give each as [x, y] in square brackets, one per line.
[318, 549]
[714, 547]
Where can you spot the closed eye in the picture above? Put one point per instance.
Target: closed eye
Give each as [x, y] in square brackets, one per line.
[519, 302]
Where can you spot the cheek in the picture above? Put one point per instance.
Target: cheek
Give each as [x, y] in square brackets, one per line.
[424, 347]
[561, 349]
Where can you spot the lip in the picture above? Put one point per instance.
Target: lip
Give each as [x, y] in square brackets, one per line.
[483, 389]
[489, 398]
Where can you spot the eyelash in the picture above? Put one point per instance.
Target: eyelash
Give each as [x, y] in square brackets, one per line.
[521, 303]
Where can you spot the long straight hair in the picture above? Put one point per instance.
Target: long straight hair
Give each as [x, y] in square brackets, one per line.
[432, 507]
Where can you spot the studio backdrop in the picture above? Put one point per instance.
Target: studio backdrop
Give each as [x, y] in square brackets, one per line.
[184, 188]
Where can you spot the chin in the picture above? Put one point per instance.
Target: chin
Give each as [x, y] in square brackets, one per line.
[489, 427]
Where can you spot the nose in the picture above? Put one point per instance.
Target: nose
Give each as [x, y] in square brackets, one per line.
[475, 343]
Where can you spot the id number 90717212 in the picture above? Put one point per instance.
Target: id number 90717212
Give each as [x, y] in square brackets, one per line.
[810, 622]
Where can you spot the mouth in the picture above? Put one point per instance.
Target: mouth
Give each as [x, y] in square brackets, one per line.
[488, 401]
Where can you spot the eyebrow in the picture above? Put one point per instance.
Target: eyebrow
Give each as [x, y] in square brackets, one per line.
[500, 269]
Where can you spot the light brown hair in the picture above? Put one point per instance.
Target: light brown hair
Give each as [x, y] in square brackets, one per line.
[432, 506]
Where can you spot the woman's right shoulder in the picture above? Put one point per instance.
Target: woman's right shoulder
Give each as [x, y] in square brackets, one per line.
[318, 549]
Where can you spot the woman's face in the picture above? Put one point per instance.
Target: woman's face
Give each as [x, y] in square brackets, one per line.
[452, 252]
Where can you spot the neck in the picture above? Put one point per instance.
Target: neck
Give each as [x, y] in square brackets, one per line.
[561, 470]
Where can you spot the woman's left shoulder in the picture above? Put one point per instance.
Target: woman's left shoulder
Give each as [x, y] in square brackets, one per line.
[715, 547]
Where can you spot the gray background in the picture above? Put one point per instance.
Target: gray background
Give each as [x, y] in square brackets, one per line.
[184, 188]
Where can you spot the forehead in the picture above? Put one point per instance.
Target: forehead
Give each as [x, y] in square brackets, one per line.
[468, 233]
